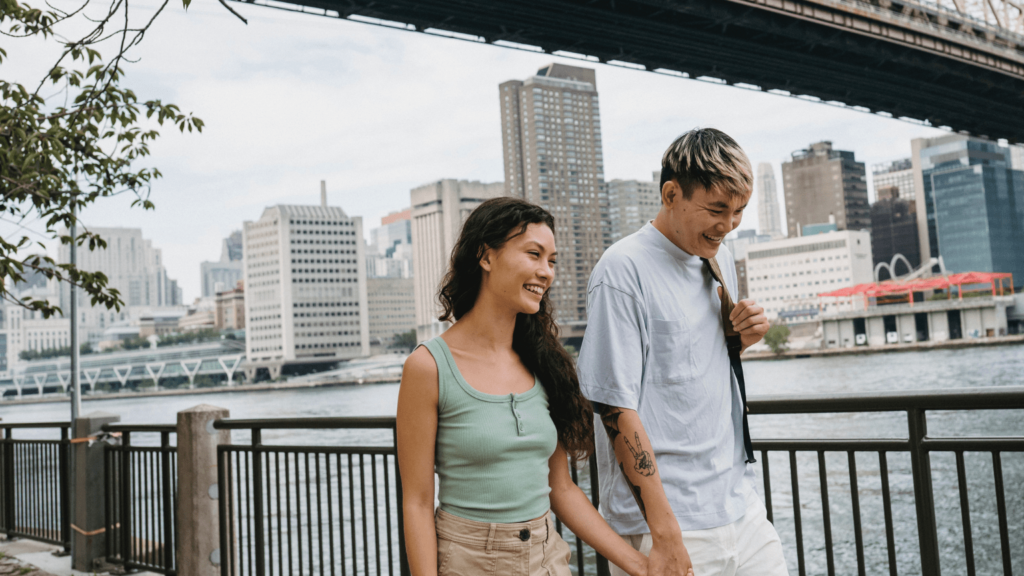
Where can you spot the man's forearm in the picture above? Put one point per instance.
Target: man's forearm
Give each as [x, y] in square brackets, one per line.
[636, 461]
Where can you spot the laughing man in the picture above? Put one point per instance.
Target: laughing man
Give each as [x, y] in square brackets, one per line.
[674, 464]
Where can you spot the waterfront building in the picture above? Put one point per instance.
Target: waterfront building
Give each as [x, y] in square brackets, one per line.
[229, 311]
[551, 136]
[305, 285]
[226, 272]
[156, 324]
[392, 310]
[740, 241]
[631, 204]
[768, 218]
[438, 211]
[969, 205]
[785, 276]
[202, 315]
[132, 266]
[389, 253]
[820, 182]
[898, 174]
[894, 232]
[931, 309]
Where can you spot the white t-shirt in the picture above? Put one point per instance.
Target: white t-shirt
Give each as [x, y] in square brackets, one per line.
[655, 344]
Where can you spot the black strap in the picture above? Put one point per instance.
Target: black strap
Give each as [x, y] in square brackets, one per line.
[734, 345]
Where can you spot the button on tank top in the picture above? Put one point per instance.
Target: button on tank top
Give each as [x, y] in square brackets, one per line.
[492, 450]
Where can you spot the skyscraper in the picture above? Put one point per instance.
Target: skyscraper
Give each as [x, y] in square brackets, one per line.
[551, 135]
[305, 286]
[132, 266]
[820, 182]
[438, 211]
[894, 231]
[973, 204]
[632, 203]
[768, 218]
[227, 271]
[389, 254]
[897, 174]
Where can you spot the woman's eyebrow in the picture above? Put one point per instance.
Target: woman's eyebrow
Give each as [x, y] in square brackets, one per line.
[541, 246]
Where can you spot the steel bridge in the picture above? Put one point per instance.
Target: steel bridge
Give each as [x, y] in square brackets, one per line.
[956, 64]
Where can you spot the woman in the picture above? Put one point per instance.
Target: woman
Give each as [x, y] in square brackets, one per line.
[495, 406]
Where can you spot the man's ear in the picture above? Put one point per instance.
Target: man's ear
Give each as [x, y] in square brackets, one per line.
[670, 192]
[485, 257]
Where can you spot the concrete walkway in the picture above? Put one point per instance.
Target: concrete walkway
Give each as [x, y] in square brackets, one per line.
[30, 558]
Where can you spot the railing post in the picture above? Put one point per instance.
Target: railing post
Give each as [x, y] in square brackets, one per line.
[920, 463]
[8, 494]
[87, 520]
[126, 497]
[403, 558]
[63, 468]
[199, 552]
[257, 489]
[167, 497]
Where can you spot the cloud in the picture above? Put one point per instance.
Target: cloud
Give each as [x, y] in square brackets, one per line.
[292, 99]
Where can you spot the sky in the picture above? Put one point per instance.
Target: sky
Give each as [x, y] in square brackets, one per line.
[292, 99]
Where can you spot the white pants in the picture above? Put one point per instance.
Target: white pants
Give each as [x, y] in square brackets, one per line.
[749, 546]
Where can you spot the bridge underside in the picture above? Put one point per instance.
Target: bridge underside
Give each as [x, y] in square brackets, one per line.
[748, 42]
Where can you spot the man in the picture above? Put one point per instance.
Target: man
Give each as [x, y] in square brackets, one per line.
[674, 465]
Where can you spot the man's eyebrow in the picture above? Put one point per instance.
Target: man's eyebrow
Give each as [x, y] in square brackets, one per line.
[718, 204]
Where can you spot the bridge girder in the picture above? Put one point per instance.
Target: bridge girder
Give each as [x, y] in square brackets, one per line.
[899, 58]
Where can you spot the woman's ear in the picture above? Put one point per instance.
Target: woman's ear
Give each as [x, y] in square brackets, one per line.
[486, 253]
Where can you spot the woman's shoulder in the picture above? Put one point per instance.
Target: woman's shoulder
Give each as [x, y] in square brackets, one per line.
[420, 364]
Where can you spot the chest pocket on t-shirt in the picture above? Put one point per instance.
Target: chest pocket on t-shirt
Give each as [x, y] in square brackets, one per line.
[670, 359]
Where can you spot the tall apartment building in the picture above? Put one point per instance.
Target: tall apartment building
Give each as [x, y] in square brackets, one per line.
[898, 174]
[438, 211]
[768, 218]
[973, 204]
[392, 309]
[631, 204]
[820, 182]
[389, 254]
[226, 272]
[551, 135]
[305, 286]
[132, 266]
[786, 276]
[894, 231]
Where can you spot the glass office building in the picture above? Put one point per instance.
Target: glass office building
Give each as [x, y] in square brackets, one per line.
[974, 205]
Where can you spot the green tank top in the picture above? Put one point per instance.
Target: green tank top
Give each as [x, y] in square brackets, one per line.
[492, 451]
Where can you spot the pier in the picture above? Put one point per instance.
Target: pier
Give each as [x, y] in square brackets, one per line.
[209, 494]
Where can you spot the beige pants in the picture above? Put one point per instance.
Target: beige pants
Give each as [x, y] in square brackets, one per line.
[470, 548]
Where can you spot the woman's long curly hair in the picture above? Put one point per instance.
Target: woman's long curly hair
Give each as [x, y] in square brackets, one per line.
[535, 338]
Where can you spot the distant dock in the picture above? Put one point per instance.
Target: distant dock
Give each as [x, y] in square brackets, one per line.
[907, 347]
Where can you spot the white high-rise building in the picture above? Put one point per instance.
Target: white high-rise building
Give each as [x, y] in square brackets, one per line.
[389, 254]
[438, 211]
[768, 217]
[305, 287]
[132, 266]
[785, 276]
[632, 203]
[224, 274]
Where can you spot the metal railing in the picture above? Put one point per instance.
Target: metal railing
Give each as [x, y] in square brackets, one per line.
[287, 509]
[309, 509]
[141, 499]
[34, 485]
[918, 445]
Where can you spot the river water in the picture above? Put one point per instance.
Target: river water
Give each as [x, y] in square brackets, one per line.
[936, 369]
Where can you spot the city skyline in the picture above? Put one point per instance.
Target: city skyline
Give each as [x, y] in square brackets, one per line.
[428, 115]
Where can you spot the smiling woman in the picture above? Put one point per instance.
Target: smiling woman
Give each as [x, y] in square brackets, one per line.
[494, 407]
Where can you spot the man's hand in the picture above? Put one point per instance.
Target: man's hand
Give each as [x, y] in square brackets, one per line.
[750, 321]
[669, 558]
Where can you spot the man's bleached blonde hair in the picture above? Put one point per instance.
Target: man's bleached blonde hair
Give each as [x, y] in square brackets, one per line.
[709, 158]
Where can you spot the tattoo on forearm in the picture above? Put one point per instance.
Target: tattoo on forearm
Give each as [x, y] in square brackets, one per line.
[642, 461]
[636, 493]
